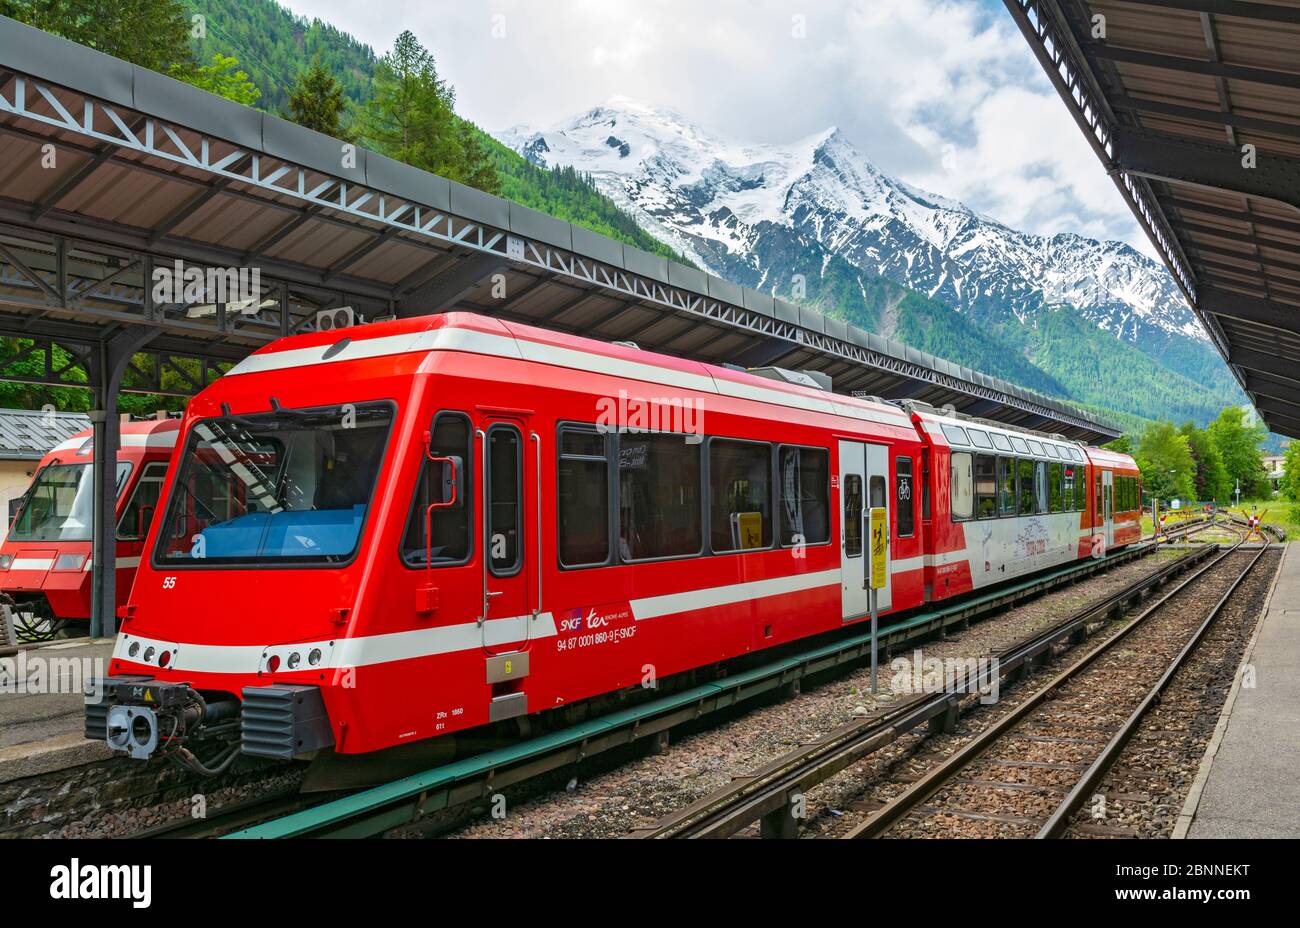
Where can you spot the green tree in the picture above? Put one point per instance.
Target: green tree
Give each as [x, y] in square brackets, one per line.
[1239, 443]
[317, 102]
[1290, 486]
[224, 78]
[1121, 445]
[1165, 460]
[1211, 478]
[154, 34]
[411, 117]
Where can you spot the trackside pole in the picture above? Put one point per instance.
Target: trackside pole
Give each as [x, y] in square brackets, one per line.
[877, 577]
[873, 641]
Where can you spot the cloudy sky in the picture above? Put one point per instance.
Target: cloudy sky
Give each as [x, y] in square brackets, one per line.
[944, 94]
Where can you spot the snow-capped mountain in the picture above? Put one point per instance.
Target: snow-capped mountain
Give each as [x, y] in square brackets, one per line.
[731, 207]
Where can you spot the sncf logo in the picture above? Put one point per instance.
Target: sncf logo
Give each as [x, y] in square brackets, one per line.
[577, 621]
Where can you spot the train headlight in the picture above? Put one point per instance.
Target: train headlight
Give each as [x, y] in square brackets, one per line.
[294, 660]
[5, 561]
[148, 655]
[134, 649]
[69, 562]
[314, 657]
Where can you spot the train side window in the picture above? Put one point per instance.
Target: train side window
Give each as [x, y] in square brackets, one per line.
[1006, 486]
[876, 492]
[451, 539]
[963, 491]
[925, 484]
[139, 511]
[986, 486]
[740, 495]
[904, 498]
[658, 497]
[582, 509]
[1040, 485]
[1019, 444]
[1055, 481]
[852, 515]
[805, 495]
[1026, 470]
[1067, 488]
[1001, 442]
[504, 500]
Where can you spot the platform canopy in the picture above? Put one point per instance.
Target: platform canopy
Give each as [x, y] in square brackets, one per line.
[1193, 107]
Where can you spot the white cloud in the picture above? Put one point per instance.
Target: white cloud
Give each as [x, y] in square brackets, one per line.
[944, 94]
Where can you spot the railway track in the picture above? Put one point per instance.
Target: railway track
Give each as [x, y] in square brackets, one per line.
[474, 779]
[1035, 768]
[773, 794]
[376, 811]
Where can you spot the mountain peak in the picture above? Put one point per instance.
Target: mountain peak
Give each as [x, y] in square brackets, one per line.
[724, 203]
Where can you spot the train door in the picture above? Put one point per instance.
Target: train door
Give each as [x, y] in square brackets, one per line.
[508, 461]
[863, 479]
[1107, 507]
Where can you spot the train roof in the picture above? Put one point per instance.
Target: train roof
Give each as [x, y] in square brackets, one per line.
[136, 434]
[478, 334]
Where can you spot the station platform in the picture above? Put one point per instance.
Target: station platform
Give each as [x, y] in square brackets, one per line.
[1247, 786]
[44, 731]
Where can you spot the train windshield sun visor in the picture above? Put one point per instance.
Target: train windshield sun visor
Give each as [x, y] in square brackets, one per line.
[59, 505]
[291, 486]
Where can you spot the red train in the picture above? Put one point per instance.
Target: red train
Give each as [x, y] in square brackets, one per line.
[397, 531]
[45, 559]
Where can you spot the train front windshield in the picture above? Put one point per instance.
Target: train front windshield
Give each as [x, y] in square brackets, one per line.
[286, 487]
[59, 505]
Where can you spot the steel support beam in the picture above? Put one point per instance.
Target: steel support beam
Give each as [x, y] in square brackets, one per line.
[451, 286]
[108, 364]
[1250, 309]
[1266, 363]
[1267, 12]
[1265, 76]
[1216, 167]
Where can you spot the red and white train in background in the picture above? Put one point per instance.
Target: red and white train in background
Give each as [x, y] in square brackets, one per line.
[380, 535]
[45, 558]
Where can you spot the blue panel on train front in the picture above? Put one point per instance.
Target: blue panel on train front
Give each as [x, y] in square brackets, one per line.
[304, 533]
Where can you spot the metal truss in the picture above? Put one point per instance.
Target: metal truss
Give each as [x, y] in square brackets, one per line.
[386, 215]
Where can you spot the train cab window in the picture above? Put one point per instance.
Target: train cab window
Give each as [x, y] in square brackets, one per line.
[852, 515]
[1026, 473]
[283, 487]
[451, 487]
[740, 495]
[139, 511]
[58, 505]
[986, 486]
[805, 495]
[904, 498]
[504, 504]
[658, 497]
[963, 489]
[925, 484]
[1006, 486]
[1055, 479]
[582, 510]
